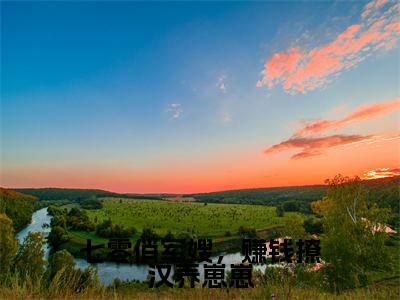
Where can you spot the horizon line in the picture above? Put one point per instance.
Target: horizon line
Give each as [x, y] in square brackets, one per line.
[164, 193]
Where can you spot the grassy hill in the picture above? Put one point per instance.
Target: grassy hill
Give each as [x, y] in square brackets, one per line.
[265, 196]
[17, 206]
[385, 192]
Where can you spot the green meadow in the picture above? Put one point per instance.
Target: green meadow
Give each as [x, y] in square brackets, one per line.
[198, 219]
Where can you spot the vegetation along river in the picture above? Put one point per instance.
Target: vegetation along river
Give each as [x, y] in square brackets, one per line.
[108, 270]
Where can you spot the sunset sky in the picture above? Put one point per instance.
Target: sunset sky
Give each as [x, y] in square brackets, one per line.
[181, 97]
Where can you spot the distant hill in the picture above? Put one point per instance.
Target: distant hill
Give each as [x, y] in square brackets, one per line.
[264, 196]
[383, 191]
[383, 182]
[78, 195]
[67, 194]
[17, 206]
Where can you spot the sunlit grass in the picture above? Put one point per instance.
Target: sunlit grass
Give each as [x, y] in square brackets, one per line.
[212, 220]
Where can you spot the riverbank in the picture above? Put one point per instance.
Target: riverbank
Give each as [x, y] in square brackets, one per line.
[383, 286]
[78, 241]
[108, 271]
[225, 224]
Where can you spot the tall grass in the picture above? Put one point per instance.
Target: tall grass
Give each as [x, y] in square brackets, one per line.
[65, 285]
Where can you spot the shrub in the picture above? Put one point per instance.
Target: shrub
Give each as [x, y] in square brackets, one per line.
[57, 236]
[247, 232]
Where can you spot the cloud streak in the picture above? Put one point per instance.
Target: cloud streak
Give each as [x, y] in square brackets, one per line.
[381, 173]
[312, 146]
[362, 113]
[301, 70]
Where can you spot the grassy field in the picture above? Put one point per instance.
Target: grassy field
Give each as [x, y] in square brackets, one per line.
[198, 220]
[211, 220]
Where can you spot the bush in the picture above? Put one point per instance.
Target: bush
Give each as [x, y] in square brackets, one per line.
[148, 234]
[313, 225]
[57, 236]
[108, 230]
[280, 211]
[60, 261]
[29, 262]
[92, 203]
[247, 232]
[169, 235]
[77, 219]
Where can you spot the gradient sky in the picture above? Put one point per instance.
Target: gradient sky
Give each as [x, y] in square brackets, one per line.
[184, 97]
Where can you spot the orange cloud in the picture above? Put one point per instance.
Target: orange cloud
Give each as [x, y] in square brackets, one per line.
[380, 173]
[312, 146]
[362, 113]
[299, 70]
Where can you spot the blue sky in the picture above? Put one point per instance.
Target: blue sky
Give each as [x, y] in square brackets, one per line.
[127, 88]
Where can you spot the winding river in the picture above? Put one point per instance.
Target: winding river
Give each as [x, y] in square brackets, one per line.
[107, 271]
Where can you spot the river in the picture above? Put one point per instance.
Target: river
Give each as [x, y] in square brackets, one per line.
[107, 271]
